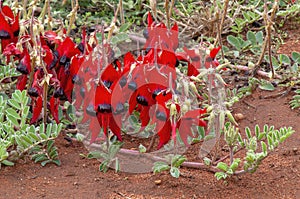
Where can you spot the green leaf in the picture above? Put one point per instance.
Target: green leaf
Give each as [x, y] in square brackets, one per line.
[257, 130]
[296, 57]
[124, 27]
[104, 166]
[284, 59]
[248, 132]
[95, 155]
[223, 166]
[53, 153]
[235, 164]
[119, 38]
[27, 139]
[266, 85]
[117, 165]
[234, 42]
[174, 171]
[48, 129]
[160, 166]
[43, 136]
[17, 96]
[220, 175]
[24, 98]
[14, 104]
[264, 147]
[45, 162]
[13, 120]
[142, 148]
[50, 144]
[13, 113]
[42, 128]
[39, 157]
[259, 37]
[25, 112]
[7, 163]
[178, 160]
[57, 162]
[251, 37]
[207, 161]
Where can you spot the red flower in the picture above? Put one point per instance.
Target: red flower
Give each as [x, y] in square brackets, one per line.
[24, 65]
[104, 111]
[162, 119]
[158, 36]
[36, 90]
[9, 27]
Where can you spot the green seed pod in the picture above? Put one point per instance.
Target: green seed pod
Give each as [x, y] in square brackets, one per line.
[222, 119]
[193, 87]
[230, 117]
[186, 88]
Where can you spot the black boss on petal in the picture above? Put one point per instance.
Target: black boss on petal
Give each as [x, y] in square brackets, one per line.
[81, 47]
[132, 86]
[155, 93]
[104, 108]
[63, 60]
[119, 108]
[22, 68]
[59, 92]
[76, 80]
[90, 110]
[107, 83]
[82, 92]
[123, 81]
[142, 100]
[4, 34]
[161, 116]
[33, 92]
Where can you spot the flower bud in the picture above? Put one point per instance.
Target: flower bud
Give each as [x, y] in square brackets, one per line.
[173, 110]
[193, 87]
[184, 108]
[41, 28]
[35, 30]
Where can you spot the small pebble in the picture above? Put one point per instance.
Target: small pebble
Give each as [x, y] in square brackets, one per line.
[239, 116]
[157, 182]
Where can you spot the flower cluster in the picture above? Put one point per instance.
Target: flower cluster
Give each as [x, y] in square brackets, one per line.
[146, 83]
[44, 58]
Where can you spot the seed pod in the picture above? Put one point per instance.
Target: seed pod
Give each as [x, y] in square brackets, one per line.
[230, 117]
[193, 87]
[222, 119]
[186, 88]
[209, 109]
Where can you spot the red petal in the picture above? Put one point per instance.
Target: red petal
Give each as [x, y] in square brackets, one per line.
[102, 95]
[213, 53]
[37, 109]
[150, 20]
[114, 127]
[21, 83]
[94, 128]
[164, 134]
[54, 103]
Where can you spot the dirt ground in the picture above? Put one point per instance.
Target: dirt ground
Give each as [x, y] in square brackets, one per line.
[278, 176]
